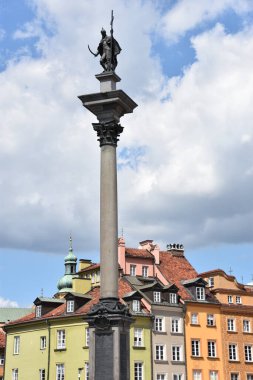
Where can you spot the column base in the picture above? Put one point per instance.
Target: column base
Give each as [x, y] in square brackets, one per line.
[109, 324]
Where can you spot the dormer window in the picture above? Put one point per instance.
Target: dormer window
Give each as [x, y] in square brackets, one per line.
[200, 294]
[173, 298]
[70, 306]
[157, 296]
[211, 282]
[136, 306]
[38, 311]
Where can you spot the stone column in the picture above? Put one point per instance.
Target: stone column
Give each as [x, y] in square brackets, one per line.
[109, 320]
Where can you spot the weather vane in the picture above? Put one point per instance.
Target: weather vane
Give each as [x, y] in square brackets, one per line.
[108, 49]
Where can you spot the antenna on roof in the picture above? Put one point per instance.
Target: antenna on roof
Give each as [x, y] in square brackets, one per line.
[122, 232]
[242, 279]
[42, 292]
[230, 271]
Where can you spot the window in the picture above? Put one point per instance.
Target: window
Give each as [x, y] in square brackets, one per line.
[248, 353]
[230, 299]
[38, 311]
[70, 306]
[138, 337]
[157, 296]
[231, 324]
[211, 348]
[159, 324]
[138, 371]
[246, 325]
[211, 282]
[234, 376]
[132, 270]
[200, 294]
[195, 347]
[145, 271]
[1, 359]
[160, 352]
[86, 371]
[194, 319]
[175, 325]
[136, 306]
[176, 353]
[93, 278]
[60, 373]
[173, 298]
[42, 374]
[249, 376]
[161, 376]
[177, 376]
[197, 375]
[210, 320]
[238, 299]
[16, 345]
[87, 337]
[15, 374]
[43, 342]
[213, 375]
[61, 339]
[232, 350]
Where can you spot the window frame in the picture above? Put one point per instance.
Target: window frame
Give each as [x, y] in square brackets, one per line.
[160, 352]
[43, 342]
[60, 371]
[200, 293]
[16, 345]
[136, 306]
[157, 296]
[197, 372]
[231, 324]
[210, 320]
[211, 349]
[70, 306]
[232, 352]
[132, 270]
[195, 348]
[173, 298]
[87, 337]
[230, 299]
[42, 373]
[138, 337]
[61, 339]
[139, 371]
[144, 271]
[86, 370]
[15, 374]
[193, 320]
[248, 353]
[248, 329]
[176, 353]
[213, 372]
[159, 322]
[176, 328]
[238, 300]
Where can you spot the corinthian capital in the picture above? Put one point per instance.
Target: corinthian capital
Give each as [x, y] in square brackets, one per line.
[108, 132]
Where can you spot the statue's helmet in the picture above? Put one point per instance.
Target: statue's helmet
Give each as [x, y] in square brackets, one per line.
[103, 31]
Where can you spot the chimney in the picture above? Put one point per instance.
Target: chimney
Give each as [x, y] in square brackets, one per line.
[152, 248]
[175, 249]
[121, 252]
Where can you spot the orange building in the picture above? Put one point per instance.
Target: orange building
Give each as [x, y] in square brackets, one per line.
[236, 323]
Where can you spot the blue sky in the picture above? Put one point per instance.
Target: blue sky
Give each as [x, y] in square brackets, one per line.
[185, 158]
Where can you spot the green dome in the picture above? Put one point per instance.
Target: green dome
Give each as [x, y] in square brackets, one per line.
[65, 282]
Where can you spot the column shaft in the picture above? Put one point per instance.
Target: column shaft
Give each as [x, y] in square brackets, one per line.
[108, 223]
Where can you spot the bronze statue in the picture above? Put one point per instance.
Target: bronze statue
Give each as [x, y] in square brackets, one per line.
[108, 49]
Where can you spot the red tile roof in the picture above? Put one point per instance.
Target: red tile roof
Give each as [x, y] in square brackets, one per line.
[124, 288]
[143, 253]
[176, 269]
[90, 267]
[2, 338]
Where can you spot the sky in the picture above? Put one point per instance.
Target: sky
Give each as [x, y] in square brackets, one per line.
[185, 158]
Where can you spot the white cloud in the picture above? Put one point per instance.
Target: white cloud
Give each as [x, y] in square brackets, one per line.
[7, 303]
[188, 14]
[191, 181]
